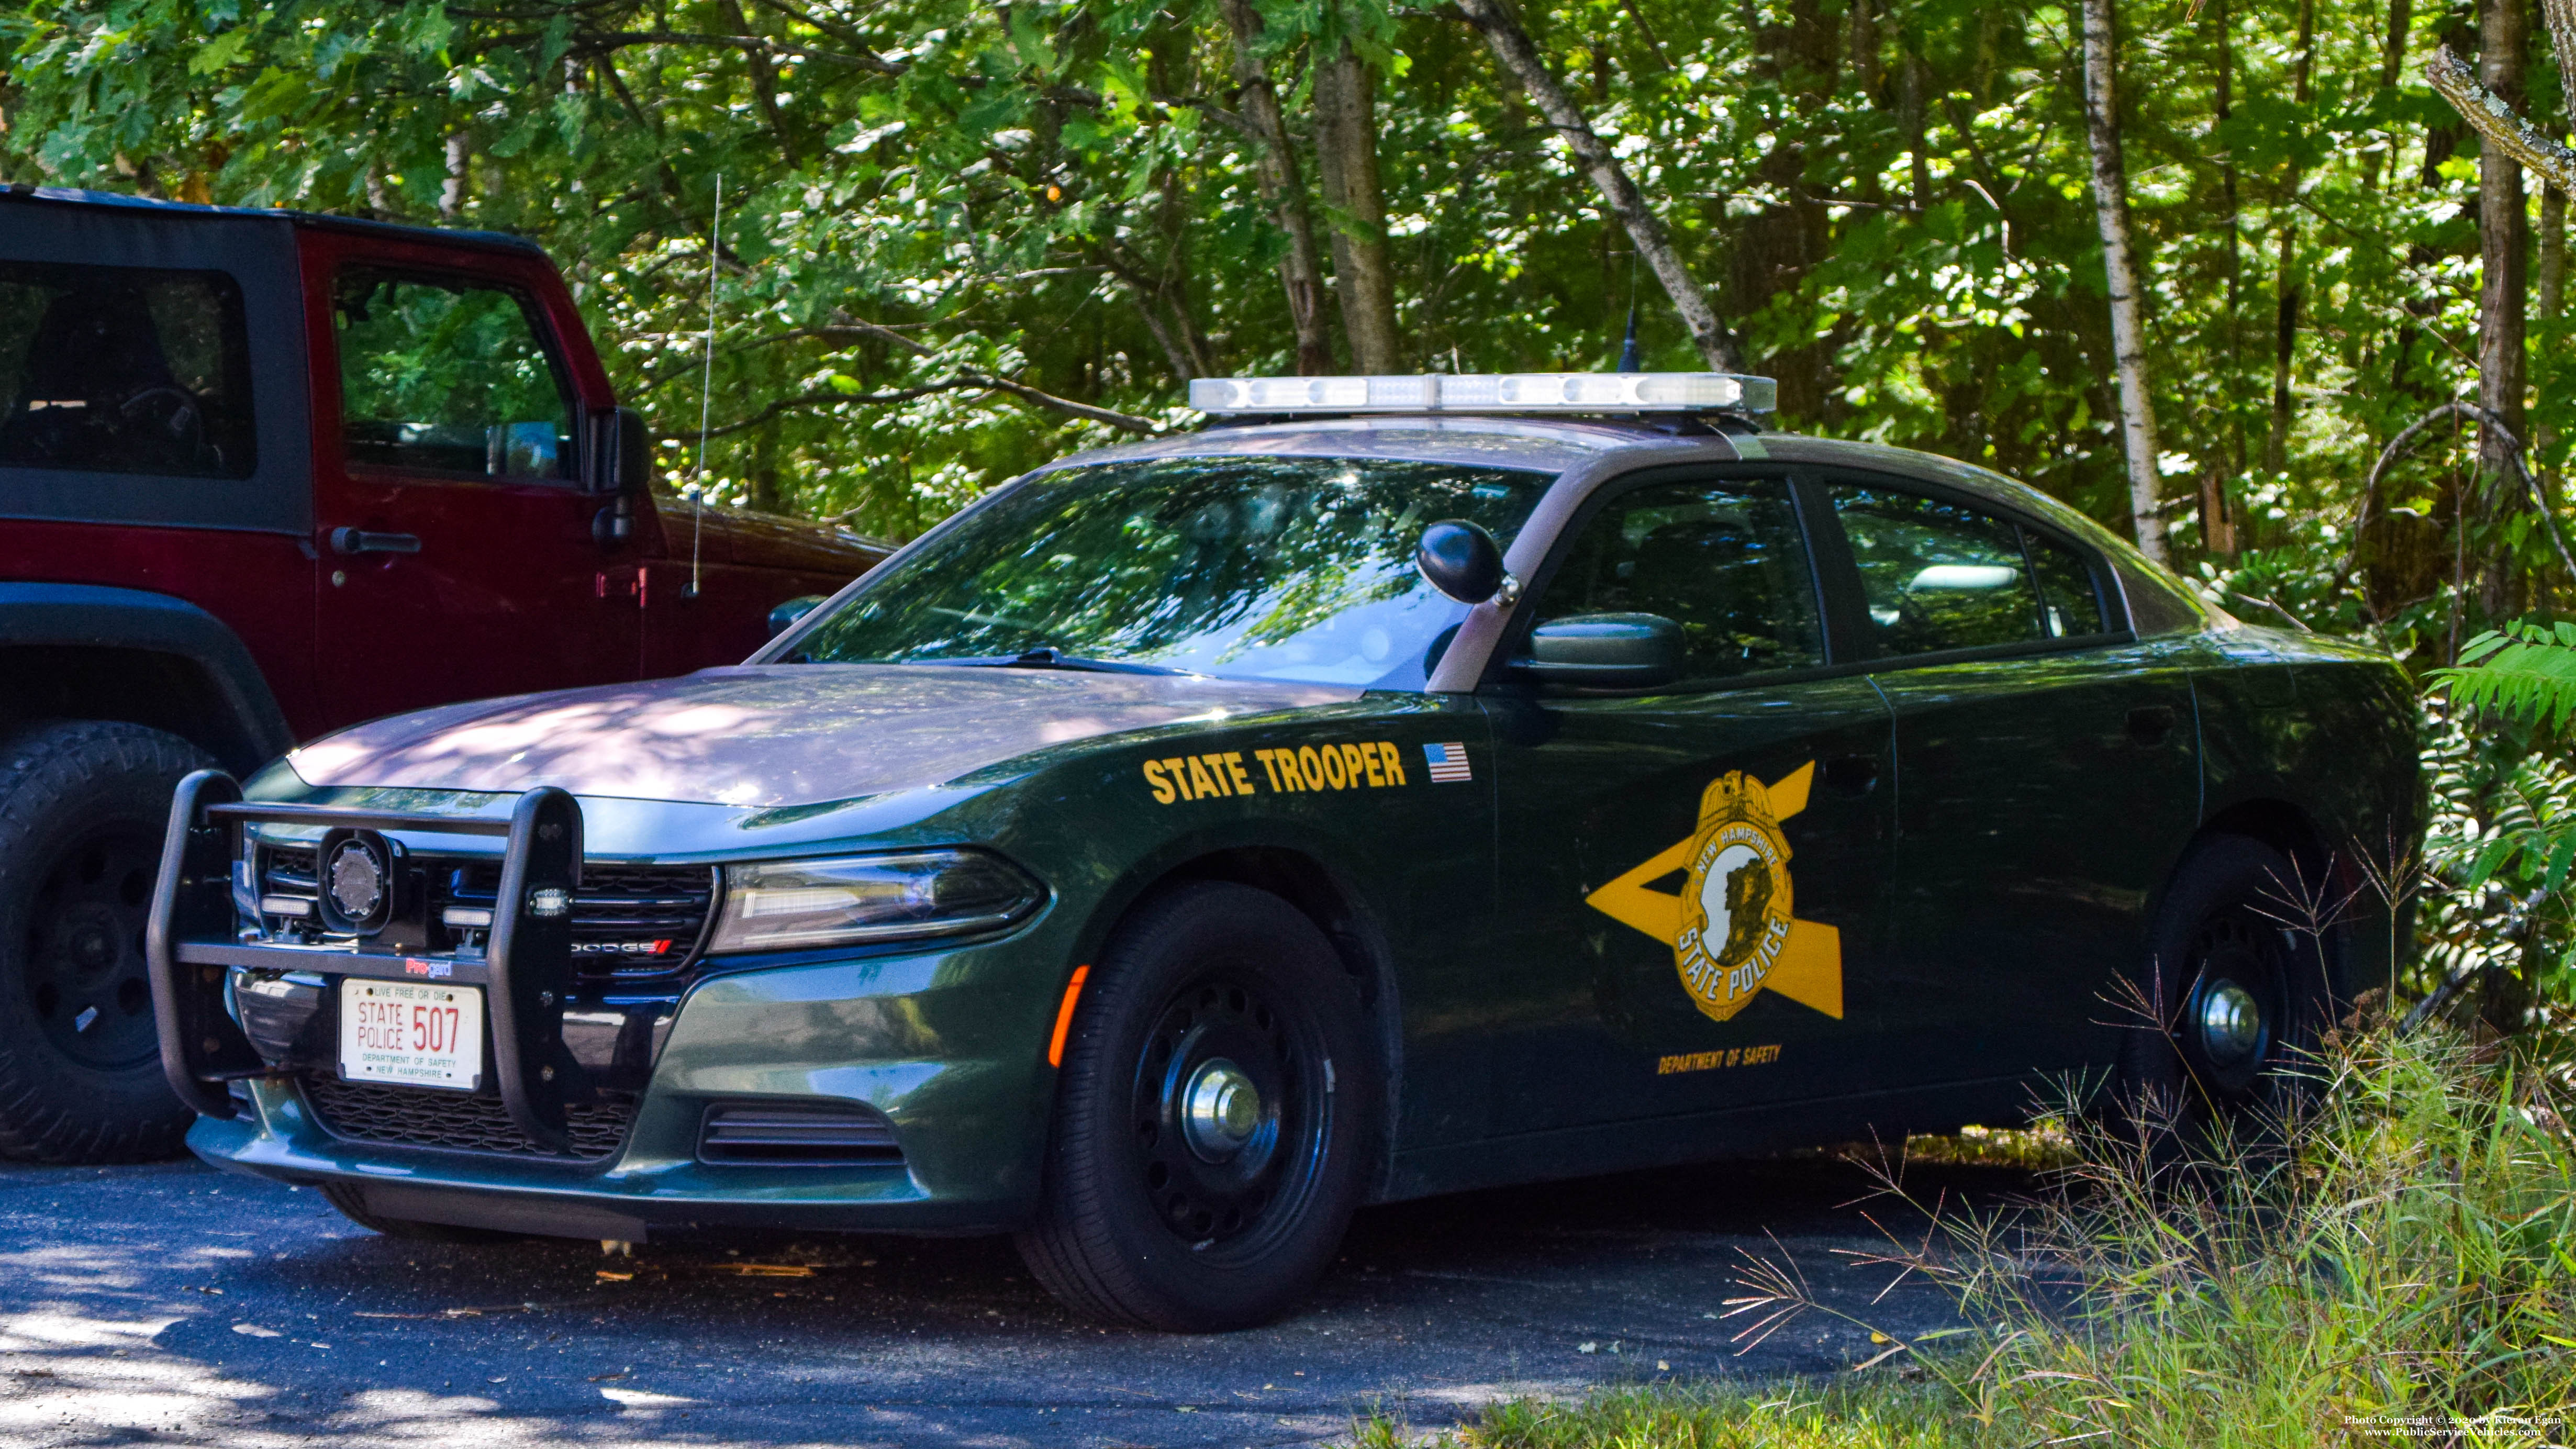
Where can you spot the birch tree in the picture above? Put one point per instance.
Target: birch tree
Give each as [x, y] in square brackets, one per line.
[2120, 272]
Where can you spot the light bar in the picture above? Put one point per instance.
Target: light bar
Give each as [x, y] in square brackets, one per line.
[1506, 392]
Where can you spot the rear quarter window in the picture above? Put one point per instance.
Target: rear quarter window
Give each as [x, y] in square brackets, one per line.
[124, 370]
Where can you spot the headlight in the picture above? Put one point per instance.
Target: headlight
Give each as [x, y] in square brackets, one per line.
[785, 905]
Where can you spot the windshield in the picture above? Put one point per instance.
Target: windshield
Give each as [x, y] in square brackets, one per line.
[1251, 568]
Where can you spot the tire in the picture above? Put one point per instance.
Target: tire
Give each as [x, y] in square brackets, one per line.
[354, 1207]
[1156, 1213]
[2237, 988]
[83, 806]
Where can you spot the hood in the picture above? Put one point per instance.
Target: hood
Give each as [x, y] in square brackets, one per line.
[762, 736]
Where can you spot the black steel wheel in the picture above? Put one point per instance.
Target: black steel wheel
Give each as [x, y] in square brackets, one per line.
[83, 948]
[1215, 1118]
[82, 808]
[2238, 988]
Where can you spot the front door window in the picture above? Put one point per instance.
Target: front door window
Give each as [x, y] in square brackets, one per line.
[1723, 560]
[447, 377]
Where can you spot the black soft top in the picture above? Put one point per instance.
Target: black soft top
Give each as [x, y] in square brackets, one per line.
[54, 196]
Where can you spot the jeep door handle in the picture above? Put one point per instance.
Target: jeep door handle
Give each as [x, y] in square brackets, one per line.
[358, 540]
[1852, 775]
[2150, 723]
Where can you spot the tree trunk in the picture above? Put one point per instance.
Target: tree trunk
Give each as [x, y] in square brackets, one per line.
[1282, 187]
[451, 197]
[764, 80]
[1909, 103]
[2285, 286]
[2503, 228]
[2120, 273]
[1520, 61]
[1355, 208]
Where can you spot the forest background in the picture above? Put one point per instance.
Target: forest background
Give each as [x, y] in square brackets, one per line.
[961, 238]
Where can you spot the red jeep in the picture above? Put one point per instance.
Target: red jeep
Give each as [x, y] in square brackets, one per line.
[262, 475]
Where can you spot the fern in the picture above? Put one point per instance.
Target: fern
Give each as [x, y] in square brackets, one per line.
[2525, 670]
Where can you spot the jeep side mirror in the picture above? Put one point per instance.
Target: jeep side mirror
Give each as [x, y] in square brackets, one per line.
[1462, 560]
[620, 457]
[618, 464]
[784, 617]
[1604, 651]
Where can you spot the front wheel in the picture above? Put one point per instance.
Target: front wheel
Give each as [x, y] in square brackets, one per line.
[83, 805]
[2237, 993]
[1214, 1121]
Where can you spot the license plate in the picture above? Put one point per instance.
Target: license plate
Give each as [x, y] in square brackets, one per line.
[412, 1034]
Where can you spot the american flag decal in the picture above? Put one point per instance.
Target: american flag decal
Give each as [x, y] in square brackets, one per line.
[1448, 763]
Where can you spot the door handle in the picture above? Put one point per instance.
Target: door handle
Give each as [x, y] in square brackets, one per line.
[2150, 723]
[1852, 775]
[358, 540]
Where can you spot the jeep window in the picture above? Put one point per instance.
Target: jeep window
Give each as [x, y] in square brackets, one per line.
[1250, 568]
[447, 376]
[124, 370]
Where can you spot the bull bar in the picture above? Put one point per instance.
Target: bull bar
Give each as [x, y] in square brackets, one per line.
[193, 939]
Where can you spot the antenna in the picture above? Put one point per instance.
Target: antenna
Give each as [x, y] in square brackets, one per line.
[706, 392]
[1631, 359]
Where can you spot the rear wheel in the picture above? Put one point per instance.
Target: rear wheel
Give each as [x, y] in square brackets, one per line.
[352, 1204]
[83, 805]
[1214, 1121]
[2238, 987]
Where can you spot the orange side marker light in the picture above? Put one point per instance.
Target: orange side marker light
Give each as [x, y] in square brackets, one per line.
[1064, 1016]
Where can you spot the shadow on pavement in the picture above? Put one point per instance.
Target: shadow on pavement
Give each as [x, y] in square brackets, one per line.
[170, 1303]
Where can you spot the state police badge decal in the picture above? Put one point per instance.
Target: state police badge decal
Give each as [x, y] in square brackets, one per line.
[1733, 930]
[1736, 908]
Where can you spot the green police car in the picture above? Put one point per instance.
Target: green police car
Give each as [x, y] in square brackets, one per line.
[1400, 786]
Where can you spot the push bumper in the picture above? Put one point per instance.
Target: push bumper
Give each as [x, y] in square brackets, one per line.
[917, 1040]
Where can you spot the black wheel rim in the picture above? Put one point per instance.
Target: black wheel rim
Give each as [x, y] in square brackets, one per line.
[2231, 1018]
[1229, 1113]
[83, 950]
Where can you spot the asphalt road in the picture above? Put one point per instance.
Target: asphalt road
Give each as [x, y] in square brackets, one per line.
[174, 1304]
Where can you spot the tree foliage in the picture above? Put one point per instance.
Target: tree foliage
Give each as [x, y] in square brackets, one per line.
[1889, 198]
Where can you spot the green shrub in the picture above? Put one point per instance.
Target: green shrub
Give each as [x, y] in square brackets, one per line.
[2400, 1247]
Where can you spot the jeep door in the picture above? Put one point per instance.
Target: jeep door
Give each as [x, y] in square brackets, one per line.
[2048, 774]
[451, 518]
[1697, 869]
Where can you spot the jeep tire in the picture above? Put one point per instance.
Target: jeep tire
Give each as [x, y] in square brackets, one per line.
[83, 806]
[1215, 1121]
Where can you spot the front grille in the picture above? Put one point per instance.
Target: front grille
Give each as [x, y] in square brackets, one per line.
[421, 1117]
[749, 1134]
[630, 923]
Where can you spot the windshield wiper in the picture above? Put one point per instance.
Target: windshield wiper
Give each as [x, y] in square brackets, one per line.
[1047, 656]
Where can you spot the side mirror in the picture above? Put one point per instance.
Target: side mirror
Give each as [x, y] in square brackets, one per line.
[619, 458]
[617, 461]
[1463, 561]
[784, 617]
[1605, 651]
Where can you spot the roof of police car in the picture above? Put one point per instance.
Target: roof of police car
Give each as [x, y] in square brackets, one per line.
[1562, 444]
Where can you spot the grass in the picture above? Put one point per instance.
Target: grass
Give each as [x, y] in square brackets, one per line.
[2393, 1260]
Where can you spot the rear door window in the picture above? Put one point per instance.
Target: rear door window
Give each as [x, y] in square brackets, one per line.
[124, 370]
[1938, 575]
[450, 377]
